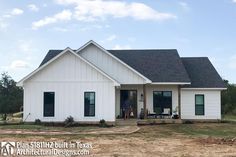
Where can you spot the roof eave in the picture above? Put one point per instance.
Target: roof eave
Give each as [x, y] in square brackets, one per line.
[171, 83]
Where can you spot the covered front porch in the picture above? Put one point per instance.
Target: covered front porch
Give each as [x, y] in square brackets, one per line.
[160, 101]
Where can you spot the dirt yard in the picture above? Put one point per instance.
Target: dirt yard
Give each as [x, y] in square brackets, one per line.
[158, 140]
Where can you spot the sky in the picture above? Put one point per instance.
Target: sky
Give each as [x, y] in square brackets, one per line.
[196, 28]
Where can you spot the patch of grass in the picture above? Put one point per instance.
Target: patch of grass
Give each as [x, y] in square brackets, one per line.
[229, 117]
[146, 132]
[194, 130]
[32, 127]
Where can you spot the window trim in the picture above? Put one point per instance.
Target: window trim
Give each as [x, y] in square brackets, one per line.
[53, 104]
[200, 104]
[94, 104]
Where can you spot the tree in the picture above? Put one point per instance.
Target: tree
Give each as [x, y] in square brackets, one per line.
[228, 99]
[11, 96]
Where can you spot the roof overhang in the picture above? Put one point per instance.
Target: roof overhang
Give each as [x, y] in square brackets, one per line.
[105, 51]
[203, 88]
[171, 83]
[21, 82]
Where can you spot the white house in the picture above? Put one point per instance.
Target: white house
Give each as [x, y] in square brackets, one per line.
[93, 83]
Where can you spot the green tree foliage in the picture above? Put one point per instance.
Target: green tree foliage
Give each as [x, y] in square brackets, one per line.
[228, 99]
[11, 96]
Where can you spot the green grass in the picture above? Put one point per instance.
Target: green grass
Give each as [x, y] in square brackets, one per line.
[188, 130]
[229, 117]
[32, 127]
[147, 132]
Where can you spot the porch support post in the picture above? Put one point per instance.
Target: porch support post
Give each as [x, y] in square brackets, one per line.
[144, 101]
[179, 101]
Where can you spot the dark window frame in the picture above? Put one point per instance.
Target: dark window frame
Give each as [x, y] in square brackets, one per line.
[197, 105]
[88, 115]
[162, 93]
[45, 114]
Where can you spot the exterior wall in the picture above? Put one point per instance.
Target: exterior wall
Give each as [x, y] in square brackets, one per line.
[111, 66]
[149, 94]
[212, 104]
[69, 77]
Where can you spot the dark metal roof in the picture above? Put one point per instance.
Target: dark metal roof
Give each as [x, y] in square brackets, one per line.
[165, 66]
[202, 73]
[162, 65]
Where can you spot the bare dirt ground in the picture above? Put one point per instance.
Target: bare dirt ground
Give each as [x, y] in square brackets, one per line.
[134, 146]
[148, 141]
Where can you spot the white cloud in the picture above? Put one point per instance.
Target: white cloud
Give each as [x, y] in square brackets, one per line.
[131, 39]
[184, 5]
[234, 1]
[24, 46]
[45, 5]
[111, 38]
[101, 9]
[90, 27]
[117, 47]
[3, 26]
[16, 64]
[6, 16]
[19, 64]
[232, 62]
[59, 29]
[17, 11]
[65, 15]
[33, 7]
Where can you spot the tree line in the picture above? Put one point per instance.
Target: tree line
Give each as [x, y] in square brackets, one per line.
[11, 96]
[228, 99]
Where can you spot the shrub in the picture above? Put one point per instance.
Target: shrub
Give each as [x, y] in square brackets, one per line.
[188, 122]
[102, 123]
[69, 122]
[37, 122]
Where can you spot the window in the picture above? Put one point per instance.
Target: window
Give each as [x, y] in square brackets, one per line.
[89, 104]
[161, 100]
[199, 104]
[48, 107]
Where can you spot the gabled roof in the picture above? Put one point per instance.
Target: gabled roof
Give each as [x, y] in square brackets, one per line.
[56, 56]
[159, 65]
[163, 66]
[202, 73]
[106, 52]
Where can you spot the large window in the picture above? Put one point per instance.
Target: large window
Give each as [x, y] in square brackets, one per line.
[199, 104]
[161, 100]
[49, 103]
[89, 104]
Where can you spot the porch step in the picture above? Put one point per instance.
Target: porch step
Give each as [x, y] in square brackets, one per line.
[127, 122]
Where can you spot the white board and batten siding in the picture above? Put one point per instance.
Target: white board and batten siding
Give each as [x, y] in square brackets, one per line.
[69, 77]
[110, 65]
[212, 104]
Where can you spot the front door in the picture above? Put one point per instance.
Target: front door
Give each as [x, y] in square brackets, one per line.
[129, 96]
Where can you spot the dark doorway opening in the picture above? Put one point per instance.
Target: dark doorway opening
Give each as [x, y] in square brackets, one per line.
[131, 97]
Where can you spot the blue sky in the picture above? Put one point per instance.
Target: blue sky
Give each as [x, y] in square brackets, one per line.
[28, 29]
